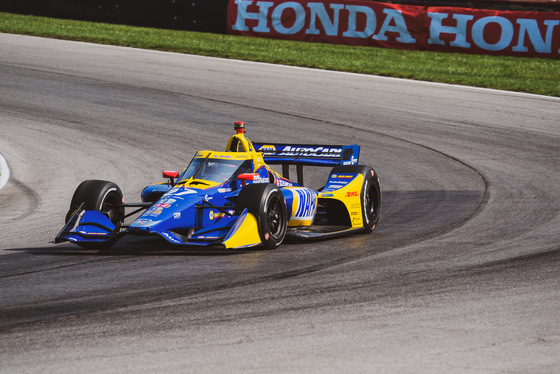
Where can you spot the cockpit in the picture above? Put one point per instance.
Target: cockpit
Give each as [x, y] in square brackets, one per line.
[216, 170]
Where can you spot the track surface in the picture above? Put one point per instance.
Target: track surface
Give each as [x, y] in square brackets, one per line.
[462, 274]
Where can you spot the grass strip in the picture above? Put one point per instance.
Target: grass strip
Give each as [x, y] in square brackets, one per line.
[533, 75]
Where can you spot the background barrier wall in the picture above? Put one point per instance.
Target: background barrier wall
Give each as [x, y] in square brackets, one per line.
[527, 5]
[193, 15]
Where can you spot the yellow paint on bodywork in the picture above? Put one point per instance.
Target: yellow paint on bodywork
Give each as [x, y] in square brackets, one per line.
[350, 195]
[246, 235]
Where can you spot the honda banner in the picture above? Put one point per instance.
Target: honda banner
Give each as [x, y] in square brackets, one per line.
[366, 23]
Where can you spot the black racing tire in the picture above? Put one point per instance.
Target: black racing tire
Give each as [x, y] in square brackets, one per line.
[101, 196]
[370, 195]
[267, 203]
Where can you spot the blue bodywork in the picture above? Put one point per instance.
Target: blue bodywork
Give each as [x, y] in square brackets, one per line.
[200, 209]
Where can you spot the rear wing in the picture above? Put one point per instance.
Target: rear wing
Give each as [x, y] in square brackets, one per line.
[305, 154]
[312, 155]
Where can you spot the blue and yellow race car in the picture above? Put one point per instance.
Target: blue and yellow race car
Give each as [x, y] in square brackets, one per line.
[234, 199]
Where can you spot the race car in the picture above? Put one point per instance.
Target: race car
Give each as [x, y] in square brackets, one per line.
[234, 199]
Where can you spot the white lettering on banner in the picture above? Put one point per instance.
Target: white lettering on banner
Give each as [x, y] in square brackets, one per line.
[277, 18]
[528, 27]
[401, 26]
[460, 31]
[506, 34]
[531, 28]
[318, 11]
[243, 14]
[371, 22]
[395, 16]
[394, 22]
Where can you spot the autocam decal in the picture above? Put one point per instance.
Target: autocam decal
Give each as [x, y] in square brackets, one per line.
[328, 152]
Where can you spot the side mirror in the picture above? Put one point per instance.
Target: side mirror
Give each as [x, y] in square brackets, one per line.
[171, 175]
[247, 177]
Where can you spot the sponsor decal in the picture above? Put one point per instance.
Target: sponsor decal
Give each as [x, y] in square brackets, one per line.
[368, 23]
[283, 182]
[261, 179]
[184, 191]
[353, 161]
[94, 233]
[307, 201]
[352, 194]
[270, 148]
[145, 223]
[216, 215]
[161, 206]
[337, 181]
[177, 215]
[328, 152]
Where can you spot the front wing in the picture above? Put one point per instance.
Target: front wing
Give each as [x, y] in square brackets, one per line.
[94, 229]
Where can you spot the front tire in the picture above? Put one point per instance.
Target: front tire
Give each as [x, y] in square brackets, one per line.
[102, 196]
[267, 203]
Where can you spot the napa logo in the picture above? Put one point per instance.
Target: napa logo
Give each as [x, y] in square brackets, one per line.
[306, 204]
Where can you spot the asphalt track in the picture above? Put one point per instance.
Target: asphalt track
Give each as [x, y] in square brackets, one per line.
[461, 275]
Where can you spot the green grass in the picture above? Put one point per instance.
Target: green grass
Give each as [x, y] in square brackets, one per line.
[534, 75]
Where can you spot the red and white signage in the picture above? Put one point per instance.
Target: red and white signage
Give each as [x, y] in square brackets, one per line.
[366, 23]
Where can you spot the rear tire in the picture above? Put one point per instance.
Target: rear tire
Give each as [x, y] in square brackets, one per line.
[267, 203]
[370, 195]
